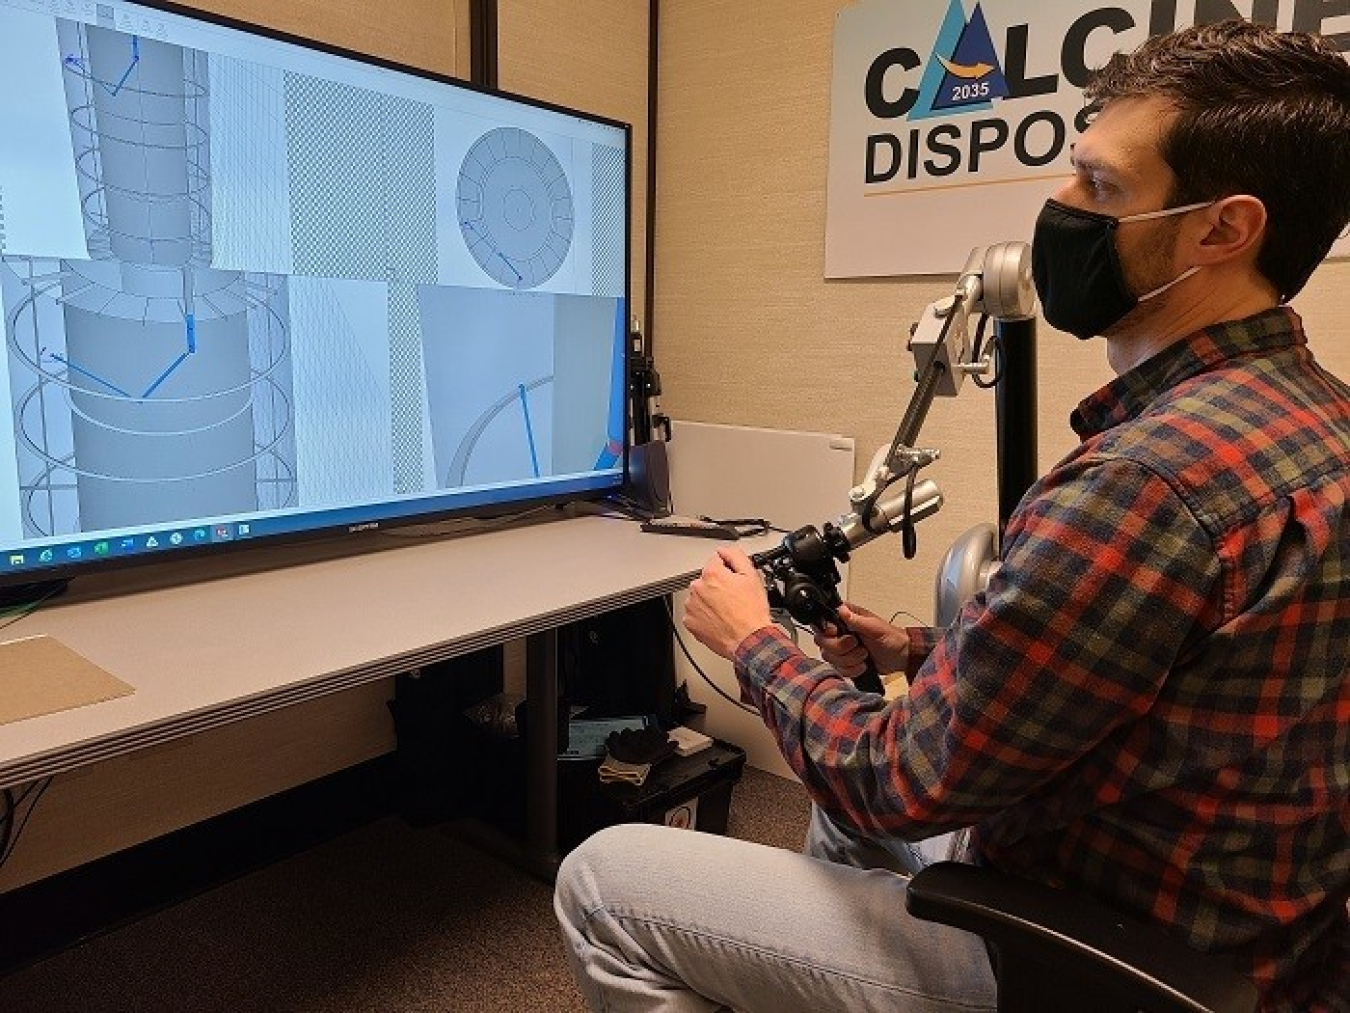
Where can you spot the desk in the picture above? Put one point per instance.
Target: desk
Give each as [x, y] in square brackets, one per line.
[204, 654]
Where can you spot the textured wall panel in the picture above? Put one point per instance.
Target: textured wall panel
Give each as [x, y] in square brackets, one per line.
[431, 34]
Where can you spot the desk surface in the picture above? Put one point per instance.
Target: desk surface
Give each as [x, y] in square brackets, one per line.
[208, 653]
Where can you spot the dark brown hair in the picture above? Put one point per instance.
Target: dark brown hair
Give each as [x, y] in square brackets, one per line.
[1259, 112]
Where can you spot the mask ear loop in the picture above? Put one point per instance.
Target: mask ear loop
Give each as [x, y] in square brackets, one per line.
[1167, 213]
[1175, 281]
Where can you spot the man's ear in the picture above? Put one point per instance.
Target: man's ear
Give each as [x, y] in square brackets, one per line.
[1233, 229]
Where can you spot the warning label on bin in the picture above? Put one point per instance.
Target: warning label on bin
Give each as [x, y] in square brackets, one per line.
[684, 815]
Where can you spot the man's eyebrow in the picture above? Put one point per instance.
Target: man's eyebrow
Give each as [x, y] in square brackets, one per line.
[1089, 164]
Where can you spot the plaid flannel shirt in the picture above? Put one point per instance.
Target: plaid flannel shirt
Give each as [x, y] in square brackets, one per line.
[1149, 703]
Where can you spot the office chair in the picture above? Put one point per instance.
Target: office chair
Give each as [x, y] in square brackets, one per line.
[1056, 952]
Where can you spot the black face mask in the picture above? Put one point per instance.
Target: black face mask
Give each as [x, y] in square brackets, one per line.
[1077, 269]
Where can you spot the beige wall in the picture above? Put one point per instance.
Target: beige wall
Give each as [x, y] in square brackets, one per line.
[747, 331]
[589, 55]
[430, 34]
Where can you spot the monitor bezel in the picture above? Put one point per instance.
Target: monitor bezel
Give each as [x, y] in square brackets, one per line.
[37, 584]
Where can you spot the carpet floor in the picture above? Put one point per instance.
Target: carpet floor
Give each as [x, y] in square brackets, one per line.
[384, 918]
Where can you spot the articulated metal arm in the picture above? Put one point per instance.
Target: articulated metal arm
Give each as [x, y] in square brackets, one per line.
[802, 573]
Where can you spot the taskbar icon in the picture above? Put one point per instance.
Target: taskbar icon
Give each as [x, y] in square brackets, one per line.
[126, 545]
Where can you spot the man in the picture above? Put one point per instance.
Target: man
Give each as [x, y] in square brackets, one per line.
[1150, 703]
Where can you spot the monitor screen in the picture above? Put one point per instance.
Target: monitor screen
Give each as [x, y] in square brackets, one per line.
[255, 288]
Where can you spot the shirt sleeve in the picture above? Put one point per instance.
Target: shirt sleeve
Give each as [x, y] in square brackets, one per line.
[922, 641]
[1104, 575]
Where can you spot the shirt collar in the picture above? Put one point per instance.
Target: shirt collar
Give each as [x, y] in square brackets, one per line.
[1129, 394]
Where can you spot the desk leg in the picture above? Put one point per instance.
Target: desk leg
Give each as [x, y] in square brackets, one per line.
[537, 854]
[541, 753]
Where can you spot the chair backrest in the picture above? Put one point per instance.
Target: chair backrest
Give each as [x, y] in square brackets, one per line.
[964, 570]
[1053, 950]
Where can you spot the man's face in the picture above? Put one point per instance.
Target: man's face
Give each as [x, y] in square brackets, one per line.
[1119, 171]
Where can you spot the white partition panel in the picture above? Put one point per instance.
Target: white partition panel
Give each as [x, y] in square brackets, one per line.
[790, 479]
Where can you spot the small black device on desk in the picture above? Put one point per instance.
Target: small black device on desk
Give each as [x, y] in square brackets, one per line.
[699, 527]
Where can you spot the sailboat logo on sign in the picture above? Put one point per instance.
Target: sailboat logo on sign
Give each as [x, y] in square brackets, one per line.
[964, 73]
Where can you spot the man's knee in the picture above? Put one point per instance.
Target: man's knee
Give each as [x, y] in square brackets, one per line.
[595, 870]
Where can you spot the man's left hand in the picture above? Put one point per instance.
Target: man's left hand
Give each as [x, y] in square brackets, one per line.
[727, 603]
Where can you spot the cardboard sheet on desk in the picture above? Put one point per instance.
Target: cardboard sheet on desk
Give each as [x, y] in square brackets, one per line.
[39, 675]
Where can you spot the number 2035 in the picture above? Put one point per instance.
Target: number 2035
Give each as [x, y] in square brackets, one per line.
[976, 89]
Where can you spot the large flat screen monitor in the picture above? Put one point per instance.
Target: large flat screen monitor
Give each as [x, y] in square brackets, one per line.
[255, 288]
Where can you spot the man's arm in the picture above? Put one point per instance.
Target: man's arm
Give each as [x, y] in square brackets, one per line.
[1102, 579]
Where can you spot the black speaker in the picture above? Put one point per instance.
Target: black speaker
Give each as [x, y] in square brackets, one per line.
[649, 478]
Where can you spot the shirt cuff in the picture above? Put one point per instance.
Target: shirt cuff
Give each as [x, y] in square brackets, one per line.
[922, 641]
[757, 656]
[769, 664]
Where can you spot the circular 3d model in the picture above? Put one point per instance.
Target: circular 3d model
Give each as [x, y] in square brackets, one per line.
[515, 207]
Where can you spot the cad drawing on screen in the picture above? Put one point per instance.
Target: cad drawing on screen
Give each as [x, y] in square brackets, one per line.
[145, 365]
[255, 288]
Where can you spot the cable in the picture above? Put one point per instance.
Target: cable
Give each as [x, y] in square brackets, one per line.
[901, 612]
[629, 507]
[620, 509]
[909, 538]
[996, 351]
[12, 833]
[674, 628]
[7, 821]
[463, 525]
[29, 607]
[978, 347]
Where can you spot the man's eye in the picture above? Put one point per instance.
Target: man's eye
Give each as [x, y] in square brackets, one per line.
[1101, 188]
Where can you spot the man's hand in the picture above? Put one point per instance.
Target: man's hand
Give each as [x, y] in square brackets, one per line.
[727, 603]
[869, 635]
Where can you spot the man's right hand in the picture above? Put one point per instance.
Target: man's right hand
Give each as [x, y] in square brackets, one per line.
[869, 635]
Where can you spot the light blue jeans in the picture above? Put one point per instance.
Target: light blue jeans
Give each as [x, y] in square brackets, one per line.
[661, 919]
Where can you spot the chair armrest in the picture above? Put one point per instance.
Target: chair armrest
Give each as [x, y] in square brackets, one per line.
[1056, 935]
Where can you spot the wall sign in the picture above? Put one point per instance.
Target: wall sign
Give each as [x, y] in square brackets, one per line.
[951, 121]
